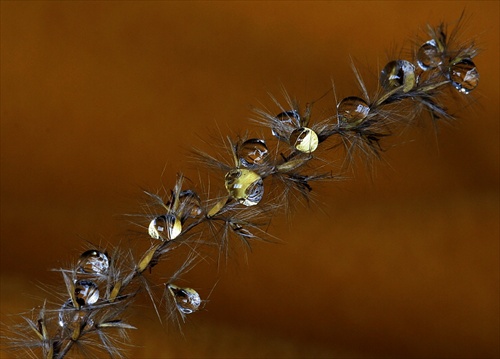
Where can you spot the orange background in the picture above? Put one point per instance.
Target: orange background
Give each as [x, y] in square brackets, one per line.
[102, 99]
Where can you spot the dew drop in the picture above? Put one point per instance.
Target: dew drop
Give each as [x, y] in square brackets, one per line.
[86, 292]
[464, 75]
[187, 300]
[245, 186]
[284, 123]
[429, 56]
[165, 227]
[69, 317]
[304, 139]
[190, 204]
[94, 262]
[352, 110]
[396, 74]
[252, 152]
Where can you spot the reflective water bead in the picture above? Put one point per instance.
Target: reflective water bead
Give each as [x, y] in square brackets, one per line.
[352, 110]
[86, 292]
[93, 261]
[187, 300]
[464, 75]
[69, 316]
[190, 204]
[245, 186]
[304, 139]
[284, 123]
[429, 56]
[252, 152]
[398, 73]
[165, 227]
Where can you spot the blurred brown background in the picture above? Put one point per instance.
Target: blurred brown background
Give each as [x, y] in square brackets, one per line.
[102, 99]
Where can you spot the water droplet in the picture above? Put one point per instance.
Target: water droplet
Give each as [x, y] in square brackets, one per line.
[69, 317]
[190, 204]
[304, 139]
[86, 292]
[429, 56]
[245, 186]
[165, 227]
[464, 75]
[398, 73]
[284, 123]
[187, 300]
[252, 152]
[93, 261]
[352, 110]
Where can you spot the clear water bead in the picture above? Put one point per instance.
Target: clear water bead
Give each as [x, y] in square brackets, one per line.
[396, 74]
[464, 75]
[69, 317]
[86, 292]
[304, 140]
[352, 110]
[245, 186]
[165, 227]
[187, 300]
[93, 262]
[284, 123]
[252, 152]
[429, 56]
[190, 204]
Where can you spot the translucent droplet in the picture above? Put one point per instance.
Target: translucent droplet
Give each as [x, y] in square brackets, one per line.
[252, 152]
[190, 204]
[165, 227]
[352, 110]
[93, 261]
[429, 56]
[284, 123]
[69, 317]
[187, 300]
[304, 139]
[86, 292]
[464, 76]
[245, 186]
[398, 73]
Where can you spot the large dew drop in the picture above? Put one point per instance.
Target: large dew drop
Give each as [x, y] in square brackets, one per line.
[304, 140]
[284, 123]
[93, 262]
[245, 186]
[429, 56]
[165, 227]
[464, 75]
[252, 152]
[187, 300]
[400, 73]
[352, 111]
